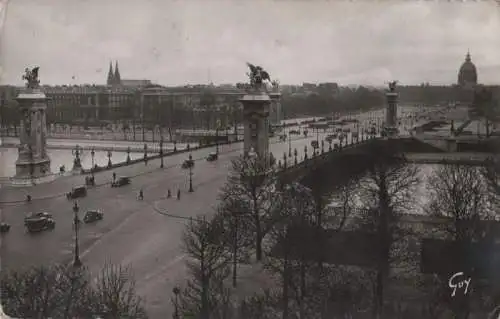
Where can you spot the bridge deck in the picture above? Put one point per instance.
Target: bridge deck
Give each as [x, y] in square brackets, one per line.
[452, 157]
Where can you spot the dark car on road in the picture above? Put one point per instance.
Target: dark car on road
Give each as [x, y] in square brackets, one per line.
[38, 224]
[92, 216]
[121, 181]
[212, 157]
[187, 163]
[4, 227]
[79, 191]
[32, 216]
[294, 132]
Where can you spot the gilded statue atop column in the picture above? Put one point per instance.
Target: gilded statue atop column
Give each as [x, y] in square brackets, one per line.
[257, 76]
[31, 77]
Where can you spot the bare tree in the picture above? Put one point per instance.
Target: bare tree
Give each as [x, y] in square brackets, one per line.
[40, 292]
[387, 191]
[113, 295]
[238, 237]
[205, 294]
[64, 292]
[264, 305]
[293, 235]
[251, 181]
[460, 195]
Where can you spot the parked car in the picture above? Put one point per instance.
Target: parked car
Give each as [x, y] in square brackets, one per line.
[76, 192]
[92, 216]
[212, 157]
[294, 132]
[38, 224]
[4, 227]
[314, 144]
[121, 181]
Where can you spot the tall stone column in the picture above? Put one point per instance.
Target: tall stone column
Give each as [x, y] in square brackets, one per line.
[256, 107]
[391, 113]
[276, 112]
[33, 162]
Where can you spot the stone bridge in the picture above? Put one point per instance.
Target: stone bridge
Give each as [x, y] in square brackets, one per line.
[341, 163]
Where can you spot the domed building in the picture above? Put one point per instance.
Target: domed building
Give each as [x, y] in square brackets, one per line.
[467, 76]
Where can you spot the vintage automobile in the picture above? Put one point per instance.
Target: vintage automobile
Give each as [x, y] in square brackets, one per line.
[314, 144]
[38, 224]
[294, 132]
[37, 215]
[92, 216]
[187, 163]
[76, 192]
[212, 157]
[121, 181]
[4, 227]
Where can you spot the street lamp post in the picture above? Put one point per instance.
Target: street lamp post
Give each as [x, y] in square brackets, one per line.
[217, 140]
[77, 163]
[289, 144]
[76, 222]
[128, 155]
[161, 151]
[109, 159]
[92, 155]
[176, 292]
[191, 163]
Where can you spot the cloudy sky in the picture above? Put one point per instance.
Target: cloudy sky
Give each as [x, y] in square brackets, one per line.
[188, 41]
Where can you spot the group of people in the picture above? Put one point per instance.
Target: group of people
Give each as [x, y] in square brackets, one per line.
[169, 194]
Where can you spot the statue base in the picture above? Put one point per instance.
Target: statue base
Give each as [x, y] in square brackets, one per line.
[32, 172]
[391, 131]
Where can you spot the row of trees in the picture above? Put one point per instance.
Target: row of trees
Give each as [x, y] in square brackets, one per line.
[320, 104]
[59, 291]
[291, 231]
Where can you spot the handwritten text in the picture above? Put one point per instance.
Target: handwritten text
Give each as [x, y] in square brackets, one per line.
[458, 281]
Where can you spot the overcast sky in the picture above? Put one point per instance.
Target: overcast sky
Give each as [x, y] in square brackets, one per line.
[190, 41]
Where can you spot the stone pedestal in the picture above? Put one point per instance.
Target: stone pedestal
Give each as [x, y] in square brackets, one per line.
[391, 114]
[33, 163]
[256, 107]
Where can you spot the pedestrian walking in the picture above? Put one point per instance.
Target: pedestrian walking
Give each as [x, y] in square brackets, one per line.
[141, 195]
[178, 194]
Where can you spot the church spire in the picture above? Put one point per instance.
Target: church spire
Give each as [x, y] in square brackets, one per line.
[117, 78]
[467, 57]
[110, 74]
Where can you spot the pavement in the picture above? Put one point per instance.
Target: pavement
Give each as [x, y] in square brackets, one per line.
[133, 232]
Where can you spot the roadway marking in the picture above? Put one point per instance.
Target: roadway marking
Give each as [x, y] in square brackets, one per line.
[104, 235]
[168, 265]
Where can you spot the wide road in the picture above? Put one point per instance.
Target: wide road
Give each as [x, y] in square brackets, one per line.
[132, 232]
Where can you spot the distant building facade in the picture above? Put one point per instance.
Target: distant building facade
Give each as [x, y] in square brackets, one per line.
[114, 79]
